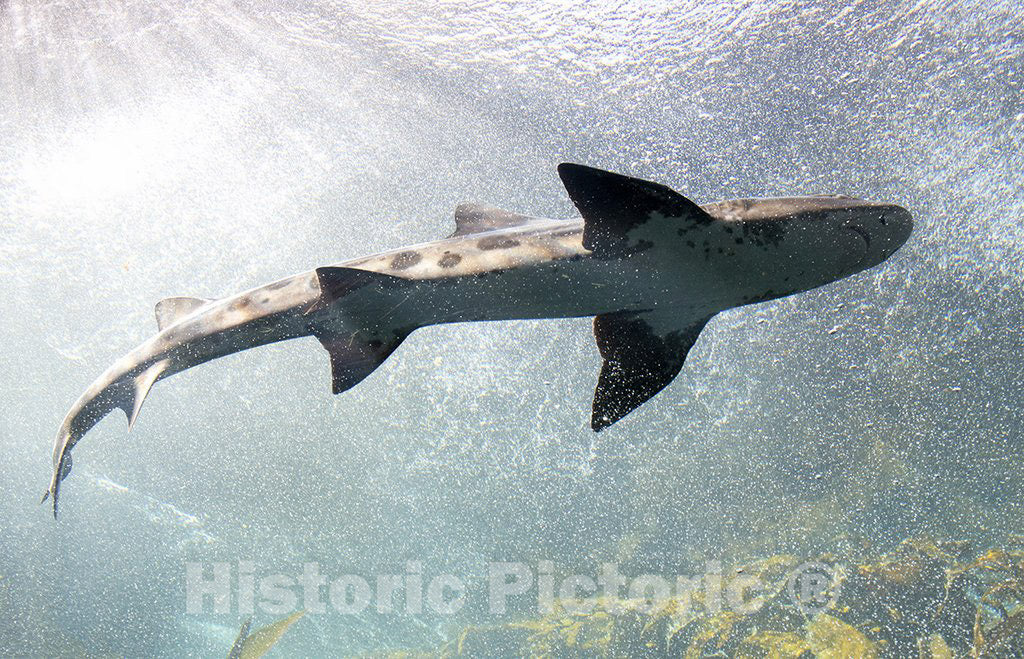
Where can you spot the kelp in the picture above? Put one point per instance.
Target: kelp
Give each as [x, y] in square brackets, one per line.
[926, 599]
[256, 644]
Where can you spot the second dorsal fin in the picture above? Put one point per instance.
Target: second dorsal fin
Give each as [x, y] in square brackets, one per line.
[172, 309]
[478, 218]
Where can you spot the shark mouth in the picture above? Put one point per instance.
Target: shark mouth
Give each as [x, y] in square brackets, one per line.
[863, 233]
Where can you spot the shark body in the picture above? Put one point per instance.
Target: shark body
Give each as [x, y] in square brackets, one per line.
[650, 266]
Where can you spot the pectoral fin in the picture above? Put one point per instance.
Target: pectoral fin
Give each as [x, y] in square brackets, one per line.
[615, 208]
[641, 357]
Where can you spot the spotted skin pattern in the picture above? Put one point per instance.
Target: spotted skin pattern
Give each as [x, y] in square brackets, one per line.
[650, 265]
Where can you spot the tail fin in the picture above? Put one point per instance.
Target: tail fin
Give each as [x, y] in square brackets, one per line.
[127, 394]
[364, 333]
[61, 469]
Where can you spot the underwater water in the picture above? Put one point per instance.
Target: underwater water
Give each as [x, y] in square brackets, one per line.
[202, 148]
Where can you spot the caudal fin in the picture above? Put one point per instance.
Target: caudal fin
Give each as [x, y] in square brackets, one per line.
[127, 393]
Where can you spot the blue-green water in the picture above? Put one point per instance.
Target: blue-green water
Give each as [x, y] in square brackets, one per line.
[158, 149]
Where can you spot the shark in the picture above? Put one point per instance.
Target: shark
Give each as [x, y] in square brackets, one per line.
[649, 265]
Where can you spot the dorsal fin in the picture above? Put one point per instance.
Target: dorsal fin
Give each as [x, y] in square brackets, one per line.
[172, 309]
[477, 218]
[613, 205]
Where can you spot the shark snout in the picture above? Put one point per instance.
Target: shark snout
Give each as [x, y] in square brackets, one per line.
[883, 228]
[900, 224]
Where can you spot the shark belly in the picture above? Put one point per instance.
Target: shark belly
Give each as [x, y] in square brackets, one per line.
[556, 289]
[649, 265]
